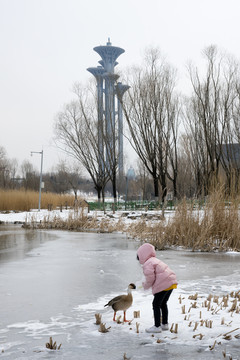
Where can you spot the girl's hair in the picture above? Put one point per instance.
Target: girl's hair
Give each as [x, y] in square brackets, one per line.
[137, 258]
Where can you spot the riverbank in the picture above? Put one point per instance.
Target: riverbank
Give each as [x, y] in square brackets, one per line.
[207, 230]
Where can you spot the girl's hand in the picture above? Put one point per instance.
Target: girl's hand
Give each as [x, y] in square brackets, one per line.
[139, 285]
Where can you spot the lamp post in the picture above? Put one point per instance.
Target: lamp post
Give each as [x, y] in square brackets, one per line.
[40, 183]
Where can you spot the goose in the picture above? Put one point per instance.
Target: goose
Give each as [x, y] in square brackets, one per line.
[122, 302]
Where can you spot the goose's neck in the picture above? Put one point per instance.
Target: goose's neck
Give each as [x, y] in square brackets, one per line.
[129, 291]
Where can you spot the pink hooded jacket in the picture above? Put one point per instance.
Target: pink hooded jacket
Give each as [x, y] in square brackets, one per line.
[158, 275]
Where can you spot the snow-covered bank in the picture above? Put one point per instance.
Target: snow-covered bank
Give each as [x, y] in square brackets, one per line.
[126, 217]
[27, 216]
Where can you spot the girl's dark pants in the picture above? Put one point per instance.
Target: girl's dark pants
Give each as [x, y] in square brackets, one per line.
[160, 306]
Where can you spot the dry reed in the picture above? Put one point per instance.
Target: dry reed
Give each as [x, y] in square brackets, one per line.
[76, 221]
[21, 200]
[214, 227]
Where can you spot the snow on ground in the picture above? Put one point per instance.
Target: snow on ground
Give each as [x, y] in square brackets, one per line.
[194, 319]
[27, 216]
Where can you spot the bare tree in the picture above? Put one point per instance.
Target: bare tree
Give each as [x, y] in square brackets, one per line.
[76, 132]
[4, 168]
[13, 167]
[31, 180]
[173, 121]
[71, 174]
[80, 135]
[143, 182]
[149, 113]
[208, 114]
[230, 150]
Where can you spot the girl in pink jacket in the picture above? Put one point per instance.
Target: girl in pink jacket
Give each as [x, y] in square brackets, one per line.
[162, 280]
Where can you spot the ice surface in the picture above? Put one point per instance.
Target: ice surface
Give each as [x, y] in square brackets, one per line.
[62, 279]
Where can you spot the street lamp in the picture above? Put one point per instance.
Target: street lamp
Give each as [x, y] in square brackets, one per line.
[40, 184]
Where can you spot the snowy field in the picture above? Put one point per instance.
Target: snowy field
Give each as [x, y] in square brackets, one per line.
[57, 285]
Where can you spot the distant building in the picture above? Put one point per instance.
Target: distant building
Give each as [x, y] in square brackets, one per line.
[230, 155]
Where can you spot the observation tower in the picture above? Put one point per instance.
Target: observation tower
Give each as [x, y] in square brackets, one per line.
[110, 118]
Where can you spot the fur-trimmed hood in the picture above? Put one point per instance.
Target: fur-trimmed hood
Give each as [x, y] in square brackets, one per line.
[145, 252]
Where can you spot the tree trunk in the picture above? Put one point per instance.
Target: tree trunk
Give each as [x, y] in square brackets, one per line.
[156, 190]
[99, 190]
[164, 187]
[175, 187]
[103, 200]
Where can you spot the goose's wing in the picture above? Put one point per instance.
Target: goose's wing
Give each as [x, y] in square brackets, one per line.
[115, 300]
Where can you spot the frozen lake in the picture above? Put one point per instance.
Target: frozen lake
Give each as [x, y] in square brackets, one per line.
[52, 283]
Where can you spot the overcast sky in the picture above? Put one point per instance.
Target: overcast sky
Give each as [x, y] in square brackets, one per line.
[46, 46]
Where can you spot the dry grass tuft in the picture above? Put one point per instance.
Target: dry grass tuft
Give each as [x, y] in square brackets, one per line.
[98, 318]
[103, 328]
[52, 345]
